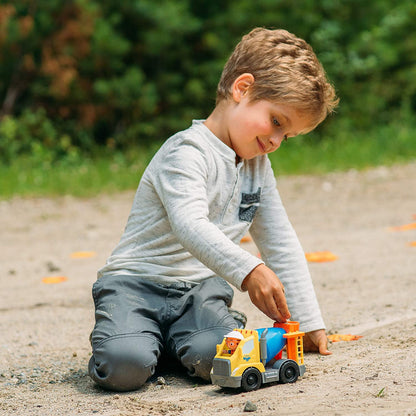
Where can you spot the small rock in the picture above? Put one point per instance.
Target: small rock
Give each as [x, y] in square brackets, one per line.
[161, 381]
[250, 406]
[52, 267]
[21, 379]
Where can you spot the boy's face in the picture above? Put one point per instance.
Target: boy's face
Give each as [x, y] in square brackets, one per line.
[256, 128]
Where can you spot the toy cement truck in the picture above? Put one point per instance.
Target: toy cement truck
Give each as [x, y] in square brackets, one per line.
[249, 358]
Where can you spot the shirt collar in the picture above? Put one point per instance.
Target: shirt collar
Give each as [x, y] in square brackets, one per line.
[214, 141]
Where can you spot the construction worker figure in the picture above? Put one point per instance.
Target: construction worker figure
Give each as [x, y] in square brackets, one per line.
[232, 339]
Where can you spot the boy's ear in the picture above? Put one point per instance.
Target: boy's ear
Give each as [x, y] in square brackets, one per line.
[241, 86]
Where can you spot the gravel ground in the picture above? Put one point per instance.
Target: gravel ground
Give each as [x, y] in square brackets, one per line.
[370, 291]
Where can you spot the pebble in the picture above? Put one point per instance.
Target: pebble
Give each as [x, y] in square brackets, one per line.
[22, 379]
[250, 406]
[161, 381]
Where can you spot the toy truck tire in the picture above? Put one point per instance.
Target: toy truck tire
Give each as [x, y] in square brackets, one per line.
[251, 379]
[288, 370]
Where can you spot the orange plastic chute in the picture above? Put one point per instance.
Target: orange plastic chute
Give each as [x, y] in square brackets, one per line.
[405, 227]
[82, 254]
[343, 337]
[49, 280]
[321, 256]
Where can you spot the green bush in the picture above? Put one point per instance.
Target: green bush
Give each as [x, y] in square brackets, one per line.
[34, 134]
[135, 71]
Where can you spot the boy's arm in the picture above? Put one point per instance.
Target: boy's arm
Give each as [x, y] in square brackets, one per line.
[281, 251]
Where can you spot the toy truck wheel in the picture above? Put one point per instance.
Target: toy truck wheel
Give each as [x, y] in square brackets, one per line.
[251, 379]
[289, 372]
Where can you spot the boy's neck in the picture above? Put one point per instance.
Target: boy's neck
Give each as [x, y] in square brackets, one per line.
[216, 122]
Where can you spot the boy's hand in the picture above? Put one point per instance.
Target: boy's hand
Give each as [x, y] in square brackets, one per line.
[316, 341]
[267, 293]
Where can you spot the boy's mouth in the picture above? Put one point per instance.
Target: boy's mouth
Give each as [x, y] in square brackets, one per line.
[261, 145]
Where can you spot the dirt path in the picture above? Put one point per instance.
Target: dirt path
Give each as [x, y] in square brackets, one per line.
[370, 291]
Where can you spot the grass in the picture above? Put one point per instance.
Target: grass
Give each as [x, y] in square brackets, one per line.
[80, 177]
[85, 177]
[348, 150]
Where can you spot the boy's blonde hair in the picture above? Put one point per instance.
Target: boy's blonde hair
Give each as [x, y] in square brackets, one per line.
[285, 70]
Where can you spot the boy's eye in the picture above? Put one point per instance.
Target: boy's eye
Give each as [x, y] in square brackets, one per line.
[275, 122]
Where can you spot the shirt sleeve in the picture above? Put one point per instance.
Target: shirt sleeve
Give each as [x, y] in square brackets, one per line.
[281, 251]
[181, 184]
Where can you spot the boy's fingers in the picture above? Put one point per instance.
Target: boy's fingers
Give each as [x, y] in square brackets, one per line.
[277, 309]
[267, 293]
[323, 346]
[316, 341]
[281, 304]
[325, 352]
[275, 314]
[269, 307]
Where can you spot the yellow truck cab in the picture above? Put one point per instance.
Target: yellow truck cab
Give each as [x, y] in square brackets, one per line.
[254, 357]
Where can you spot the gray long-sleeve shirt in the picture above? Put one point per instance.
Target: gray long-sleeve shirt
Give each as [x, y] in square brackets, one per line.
[191, 209]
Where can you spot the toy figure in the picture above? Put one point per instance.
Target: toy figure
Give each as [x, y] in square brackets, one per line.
[232, 339]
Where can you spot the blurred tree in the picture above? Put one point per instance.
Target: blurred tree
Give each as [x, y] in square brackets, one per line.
[120, 73]
[42, 47]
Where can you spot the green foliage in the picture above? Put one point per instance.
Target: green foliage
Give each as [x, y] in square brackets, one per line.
[82, 73]
[34, 134]
[372, 61]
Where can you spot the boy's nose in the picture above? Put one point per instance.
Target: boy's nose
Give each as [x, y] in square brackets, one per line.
[276, 141]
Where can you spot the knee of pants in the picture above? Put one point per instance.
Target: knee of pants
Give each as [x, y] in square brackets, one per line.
[198, 351]
[124, 362]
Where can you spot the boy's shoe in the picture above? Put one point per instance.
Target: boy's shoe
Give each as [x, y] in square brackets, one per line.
[239, 317]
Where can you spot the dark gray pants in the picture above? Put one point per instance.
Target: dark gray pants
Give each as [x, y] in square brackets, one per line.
[137, 320]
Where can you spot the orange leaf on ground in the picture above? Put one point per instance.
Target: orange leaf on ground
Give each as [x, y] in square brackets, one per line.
[406, 227]
[82, 254]
[54, 279]
[412, 244]
[246, 239]
[321, 256]
[343, 337]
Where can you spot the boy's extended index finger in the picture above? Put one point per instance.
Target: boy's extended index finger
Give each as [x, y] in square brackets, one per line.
[280, 300]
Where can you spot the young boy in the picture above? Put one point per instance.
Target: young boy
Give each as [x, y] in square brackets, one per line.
[164, 288]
